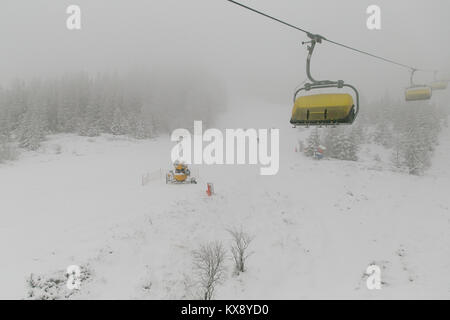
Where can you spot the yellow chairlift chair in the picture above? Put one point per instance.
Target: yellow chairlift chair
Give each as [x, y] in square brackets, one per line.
[417, 92]
[438, 84]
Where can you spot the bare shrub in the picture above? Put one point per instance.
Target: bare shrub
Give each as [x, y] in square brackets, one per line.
[209, 265]
[239, 248]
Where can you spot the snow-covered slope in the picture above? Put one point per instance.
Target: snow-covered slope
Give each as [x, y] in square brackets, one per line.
[317, 225]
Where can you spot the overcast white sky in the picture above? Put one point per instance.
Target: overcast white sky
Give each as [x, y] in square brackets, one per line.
[252, 54]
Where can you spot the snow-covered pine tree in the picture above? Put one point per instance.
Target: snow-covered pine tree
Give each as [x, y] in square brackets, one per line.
[415, 156]
[3, 155]
[348, 148]
[30, 132]
[417, 141]
[383, 134]
[358, 133]
[90, 122]
[342, 143]
[119, 125]
[313, 142]
[331, 141]
[8, 150]
[141, 127]
[397, 149]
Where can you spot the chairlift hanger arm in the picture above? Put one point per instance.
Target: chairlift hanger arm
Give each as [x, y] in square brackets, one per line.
[308, 60]
[413, 71]
[312, 44]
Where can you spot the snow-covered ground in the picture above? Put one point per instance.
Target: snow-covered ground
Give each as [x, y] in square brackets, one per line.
[317, 225]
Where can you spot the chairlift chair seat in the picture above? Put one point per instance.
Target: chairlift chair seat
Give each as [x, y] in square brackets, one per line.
[418, 93]
[324, 109]
[439, 85]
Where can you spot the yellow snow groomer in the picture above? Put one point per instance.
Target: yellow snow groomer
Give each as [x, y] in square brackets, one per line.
[180, 175]
[324, 109]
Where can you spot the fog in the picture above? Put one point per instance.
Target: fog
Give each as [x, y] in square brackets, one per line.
[256, 57]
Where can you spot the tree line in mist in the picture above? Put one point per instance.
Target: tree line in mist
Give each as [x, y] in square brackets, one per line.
[139, 104]
[144, 104]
